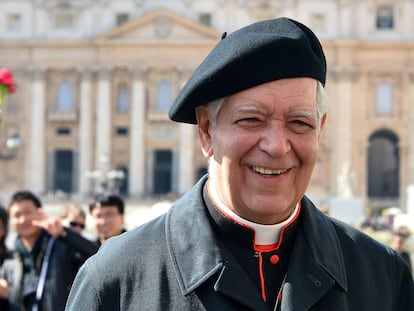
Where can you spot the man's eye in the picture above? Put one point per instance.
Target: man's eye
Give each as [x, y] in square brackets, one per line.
[300, 126]
[300, 123]
[249, 120]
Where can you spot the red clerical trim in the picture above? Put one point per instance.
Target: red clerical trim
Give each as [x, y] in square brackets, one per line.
[267, 248]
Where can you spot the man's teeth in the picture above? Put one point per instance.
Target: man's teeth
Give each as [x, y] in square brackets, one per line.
[268, 171]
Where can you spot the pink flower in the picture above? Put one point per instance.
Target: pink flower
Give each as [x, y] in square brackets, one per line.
[6, 86]
[6, 80]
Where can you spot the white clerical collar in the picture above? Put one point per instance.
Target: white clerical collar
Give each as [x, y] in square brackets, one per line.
[264, 234]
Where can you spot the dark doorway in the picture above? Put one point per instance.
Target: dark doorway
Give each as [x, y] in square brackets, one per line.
[383, 165]
[162, 171]
[63, 172]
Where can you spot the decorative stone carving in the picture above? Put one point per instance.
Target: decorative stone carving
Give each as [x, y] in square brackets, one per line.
[162, 26]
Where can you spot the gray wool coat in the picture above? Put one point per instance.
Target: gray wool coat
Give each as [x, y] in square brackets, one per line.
[176, 262]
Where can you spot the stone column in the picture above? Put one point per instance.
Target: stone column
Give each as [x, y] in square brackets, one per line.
[36, 170]
[103, 120]
[410, 139]
[186, 148]
[410, 149]
[343, 122]
[85, 131]
[137, 139]
[186, 157]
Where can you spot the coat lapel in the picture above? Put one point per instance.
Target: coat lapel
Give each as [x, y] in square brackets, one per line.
[315, 266]
[197, 256]
[306, 281]
[190, 241]
[234, 283]
[316, 262]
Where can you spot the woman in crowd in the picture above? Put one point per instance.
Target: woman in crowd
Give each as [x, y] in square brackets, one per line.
[8, 268]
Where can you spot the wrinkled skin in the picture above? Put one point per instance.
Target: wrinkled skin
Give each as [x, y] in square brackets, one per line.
[263, 148]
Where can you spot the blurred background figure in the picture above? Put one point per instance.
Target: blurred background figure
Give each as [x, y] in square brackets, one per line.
[108, 215]
[49, 254]
[74, 217]
[8, 268]
[398, 243]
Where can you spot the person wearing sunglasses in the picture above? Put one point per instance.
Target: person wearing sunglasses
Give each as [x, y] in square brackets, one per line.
[74, 217]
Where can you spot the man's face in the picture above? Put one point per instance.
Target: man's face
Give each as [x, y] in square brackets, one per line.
[263, 148]
[108, 221]
[21, 215]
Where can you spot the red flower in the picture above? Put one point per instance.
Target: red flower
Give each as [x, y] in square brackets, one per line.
[6, 79]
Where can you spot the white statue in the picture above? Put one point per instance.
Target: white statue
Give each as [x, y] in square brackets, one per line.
[346, 181]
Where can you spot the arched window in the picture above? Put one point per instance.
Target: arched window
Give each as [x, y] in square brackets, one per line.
[164, 95]
[384, 99]
[122, 105]
[383, 165]
[65, 97]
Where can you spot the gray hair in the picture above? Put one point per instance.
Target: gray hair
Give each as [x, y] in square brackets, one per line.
[321, 101]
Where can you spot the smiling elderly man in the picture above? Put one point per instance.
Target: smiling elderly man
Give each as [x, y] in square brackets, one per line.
[245, 237]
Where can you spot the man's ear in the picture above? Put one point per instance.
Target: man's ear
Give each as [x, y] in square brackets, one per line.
[204, 127]
[323, 121]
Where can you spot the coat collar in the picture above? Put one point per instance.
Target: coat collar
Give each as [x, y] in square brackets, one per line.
[316, 259]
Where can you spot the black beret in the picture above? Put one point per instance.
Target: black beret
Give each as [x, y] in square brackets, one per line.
[259, 53]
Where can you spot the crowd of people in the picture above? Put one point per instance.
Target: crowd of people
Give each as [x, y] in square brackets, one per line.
[37, 273]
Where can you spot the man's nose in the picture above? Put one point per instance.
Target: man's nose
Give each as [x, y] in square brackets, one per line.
[275, 140]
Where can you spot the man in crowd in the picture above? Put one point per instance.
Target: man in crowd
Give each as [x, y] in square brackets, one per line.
[48, 252]
[108, 215]
[245, 237]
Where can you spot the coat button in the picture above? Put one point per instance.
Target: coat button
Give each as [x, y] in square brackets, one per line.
[274, 259]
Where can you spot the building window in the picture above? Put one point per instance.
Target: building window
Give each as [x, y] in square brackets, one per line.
[121, 131]
[14, 23]
[164, 95]
[63, 21]
[123, 100]
[384, 99]
[385, 17]
[63, 131]
[65, 97]
[121, 18]
[205, 19]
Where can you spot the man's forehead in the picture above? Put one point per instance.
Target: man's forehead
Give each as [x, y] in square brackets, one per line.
[24, 204]
[104, 207]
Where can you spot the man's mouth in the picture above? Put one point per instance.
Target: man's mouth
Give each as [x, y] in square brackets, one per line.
[268, 171]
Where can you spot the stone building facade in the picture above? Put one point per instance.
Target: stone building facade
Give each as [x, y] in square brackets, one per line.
[95, 80]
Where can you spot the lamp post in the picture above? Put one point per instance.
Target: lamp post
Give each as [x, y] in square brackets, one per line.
[9, 146]
[106, 180]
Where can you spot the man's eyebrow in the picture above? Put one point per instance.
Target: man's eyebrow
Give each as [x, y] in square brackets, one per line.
[304, 113]
[247, 109]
